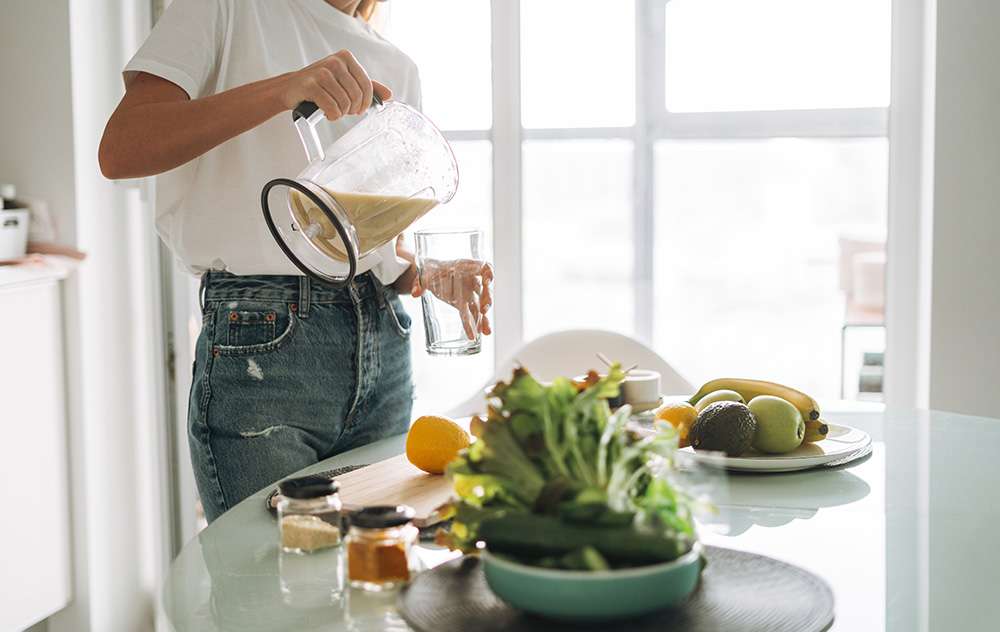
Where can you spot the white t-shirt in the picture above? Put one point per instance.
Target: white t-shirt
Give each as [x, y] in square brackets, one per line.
[208, 211]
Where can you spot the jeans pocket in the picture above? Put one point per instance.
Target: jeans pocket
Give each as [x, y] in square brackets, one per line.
[397, 314]
[253, 326]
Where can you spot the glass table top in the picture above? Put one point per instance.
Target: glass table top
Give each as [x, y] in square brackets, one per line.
[903, 536]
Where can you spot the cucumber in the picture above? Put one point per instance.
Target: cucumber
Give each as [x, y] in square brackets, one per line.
[586, 559]
[533, 535]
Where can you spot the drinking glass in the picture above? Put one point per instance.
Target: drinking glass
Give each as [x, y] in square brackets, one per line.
[450, 264]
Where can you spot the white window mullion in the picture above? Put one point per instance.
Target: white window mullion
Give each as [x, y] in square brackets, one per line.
[506, 136]
[845, 123]
[649, 88]
[575, 133]
[460, 135]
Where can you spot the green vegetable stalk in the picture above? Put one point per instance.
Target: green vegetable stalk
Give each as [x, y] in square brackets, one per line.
[558, 453]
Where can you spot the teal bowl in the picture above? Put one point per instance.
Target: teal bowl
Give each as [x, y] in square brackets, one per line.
[593, 595]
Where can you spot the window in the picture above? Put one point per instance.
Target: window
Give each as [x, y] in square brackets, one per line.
[577, 234]
[769, 145]
[746, 252]
[455, 75]
[733, 55]
[687, 167]
[577, 64]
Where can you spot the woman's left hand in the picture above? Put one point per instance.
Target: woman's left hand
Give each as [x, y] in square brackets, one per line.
[465, 285]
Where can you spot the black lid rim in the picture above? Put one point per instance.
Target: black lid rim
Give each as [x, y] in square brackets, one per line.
[303, 188]
[305, 487]
[382, 516]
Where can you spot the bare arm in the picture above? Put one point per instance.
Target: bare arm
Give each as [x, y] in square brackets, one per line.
[156, 127]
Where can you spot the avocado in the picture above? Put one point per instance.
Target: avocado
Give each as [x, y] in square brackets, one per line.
[724, 426]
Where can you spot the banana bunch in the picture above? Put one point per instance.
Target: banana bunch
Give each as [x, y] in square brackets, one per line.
[816, 428]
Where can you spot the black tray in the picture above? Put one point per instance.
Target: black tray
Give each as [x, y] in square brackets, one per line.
[738, 592]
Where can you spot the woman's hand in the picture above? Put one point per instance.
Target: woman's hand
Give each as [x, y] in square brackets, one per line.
[338, 85]
[465, 285]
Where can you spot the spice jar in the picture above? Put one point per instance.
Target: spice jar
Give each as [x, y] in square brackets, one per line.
[378, 547]
[309, 514]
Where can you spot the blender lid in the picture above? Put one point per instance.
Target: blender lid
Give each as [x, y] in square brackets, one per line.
[297, 241]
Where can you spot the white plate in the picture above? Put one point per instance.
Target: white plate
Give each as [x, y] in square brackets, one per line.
[842, 442]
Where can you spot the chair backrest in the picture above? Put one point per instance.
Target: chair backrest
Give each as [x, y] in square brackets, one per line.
[574, 352]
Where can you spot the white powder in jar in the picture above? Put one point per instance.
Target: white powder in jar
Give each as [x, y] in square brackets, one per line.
[307, 533]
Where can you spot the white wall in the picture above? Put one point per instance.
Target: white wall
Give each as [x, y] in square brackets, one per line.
[36, 149]
[61, 70]
[943, 274]
[965, 298]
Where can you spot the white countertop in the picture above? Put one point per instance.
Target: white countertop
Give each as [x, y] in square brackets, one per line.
[37, 268]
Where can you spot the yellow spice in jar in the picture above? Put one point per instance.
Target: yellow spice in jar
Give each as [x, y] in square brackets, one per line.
[307, 533]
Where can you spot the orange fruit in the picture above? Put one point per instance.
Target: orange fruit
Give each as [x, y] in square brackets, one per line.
[680, 415]
[434, 441]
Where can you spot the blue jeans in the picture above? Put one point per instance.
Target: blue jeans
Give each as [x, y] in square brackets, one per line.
[288, 372]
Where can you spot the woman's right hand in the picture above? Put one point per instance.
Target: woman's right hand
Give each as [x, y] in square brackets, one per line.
[337, 84]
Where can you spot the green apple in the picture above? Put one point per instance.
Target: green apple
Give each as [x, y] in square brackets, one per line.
[722, 395]
[780, 426]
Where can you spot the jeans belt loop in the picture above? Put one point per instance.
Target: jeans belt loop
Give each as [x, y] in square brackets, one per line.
[202, 287]
[303, 297]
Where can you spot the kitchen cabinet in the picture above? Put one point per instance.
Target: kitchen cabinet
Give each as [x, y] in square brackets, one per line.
[35, 530]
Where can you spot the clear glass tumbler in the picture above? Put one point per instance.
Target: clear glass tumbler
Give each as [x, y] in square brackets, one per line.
[450, 264]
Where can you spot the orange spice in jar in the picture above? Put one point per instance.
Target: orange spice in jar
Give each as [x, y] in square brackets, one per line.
[378, 547]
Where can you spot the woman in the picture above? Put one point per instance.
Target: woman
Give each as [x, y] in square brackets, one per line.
[286, 372]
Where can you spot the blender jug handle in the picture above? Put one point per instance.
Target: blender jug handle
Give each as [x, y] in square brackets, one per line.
[305, 117]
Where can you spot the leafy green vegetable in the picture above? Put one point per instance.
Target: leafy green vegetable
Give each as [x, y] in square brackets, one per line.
[558, 450]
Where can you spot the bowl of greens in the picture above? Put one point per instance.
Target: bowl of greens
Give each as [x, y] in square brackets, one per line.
[575, 514]
[592, 595]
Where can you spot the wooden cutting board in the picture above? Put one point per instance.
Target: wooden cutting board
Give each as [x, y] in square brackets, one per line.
[392, 482]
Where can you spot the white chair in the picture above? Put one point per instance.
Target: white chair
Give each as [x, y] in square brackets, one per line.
[574, 352]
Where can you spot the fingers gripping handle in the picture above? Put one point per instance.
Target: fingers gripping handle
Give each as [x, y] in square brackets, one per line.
[307, 108]
[304, 110]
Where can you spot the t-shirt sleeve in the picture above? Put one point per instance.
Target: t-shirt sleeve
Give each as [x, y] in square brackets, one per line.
[183, 47]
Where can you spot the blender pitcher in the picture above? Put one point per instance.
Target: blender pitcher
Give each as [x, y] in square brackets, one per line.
[359, 193]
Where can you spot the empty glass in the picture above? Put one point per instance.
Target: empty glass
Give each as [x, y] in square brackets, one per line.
[450, 264]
